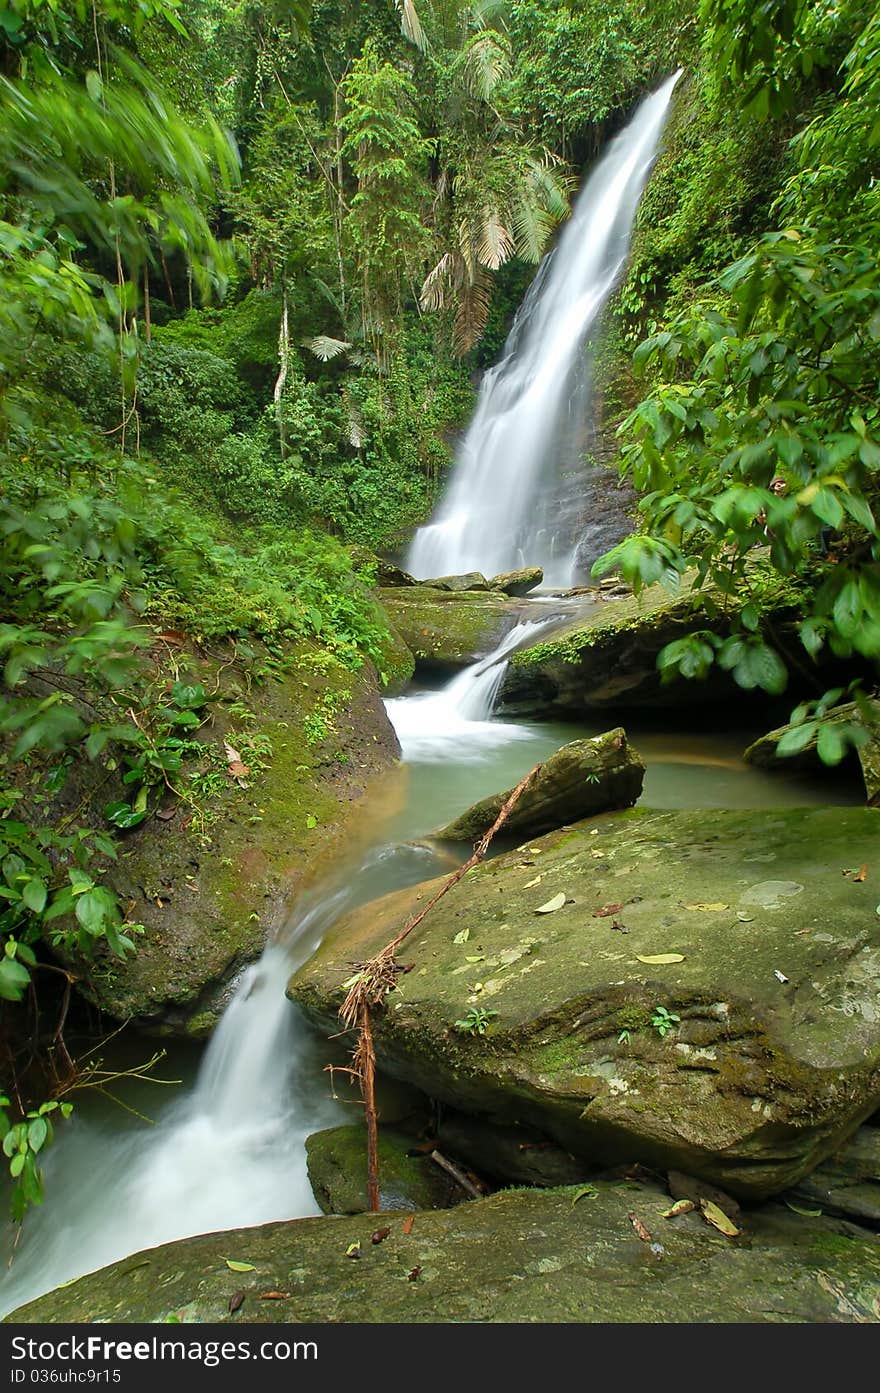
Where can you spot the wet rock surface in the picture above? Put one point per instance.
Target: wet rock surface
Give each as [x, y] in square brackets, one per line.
[518, 582]
[337, 1166]
[521, 1255]
[698, 993]
[581, 778]
[449, 629]
[763, 751]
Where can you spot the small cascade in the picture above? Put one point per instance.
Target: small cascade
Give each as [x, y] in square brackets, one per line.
[228, 1154]
[513, 499]
[455, 722]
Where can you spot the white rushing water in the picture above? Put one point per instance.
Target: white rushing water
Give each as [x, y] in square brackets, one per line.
[230, 1152]
[454, 723]
[503, 506]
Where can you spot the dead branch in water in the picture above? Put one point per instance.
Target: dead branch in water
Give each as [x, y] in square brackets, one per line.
[378, 975]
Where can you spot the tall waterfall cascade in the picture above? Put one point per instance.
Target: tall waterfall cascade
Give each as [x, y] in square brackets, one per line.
[513, 498]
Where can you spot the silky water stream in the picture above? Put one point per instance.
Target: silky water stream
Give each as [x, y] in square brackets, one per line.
[225, 1149]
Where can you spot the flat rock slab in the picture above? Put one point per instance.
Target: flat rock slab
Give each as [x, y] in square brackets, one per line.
[518, 1256]
[449, 628]
[580, 778]
[754, 939]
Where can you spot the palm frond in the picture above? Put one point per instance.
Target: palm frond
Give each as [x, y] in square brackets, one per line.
[411, 25]
[551, 186]
[486, 64]
[472, 314]
[326, 348]
[495, 243]
[531, 226]
[442, 282]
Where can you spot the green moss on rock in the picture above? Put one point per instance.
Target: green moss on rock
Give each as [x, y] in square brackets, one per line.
[210, 891]
[518, 1256]
[449, 628]
[777, 1053]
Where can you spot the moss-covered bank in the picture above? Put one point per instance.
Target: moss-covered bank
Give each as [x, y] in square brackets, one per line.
[214, 873]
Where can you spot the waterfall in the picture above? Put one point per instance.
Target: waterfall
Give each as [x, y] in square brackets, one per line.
[505, 506]
[454, 722]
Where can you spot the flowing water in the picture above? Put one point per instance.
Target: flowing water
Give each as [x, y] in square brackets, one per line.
[505, 505]
[227, 1150]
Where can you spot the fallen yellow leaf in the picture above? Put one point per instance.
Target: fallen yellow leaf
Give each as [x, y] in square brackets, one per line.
[552, 905]
[530, 884]
[718, 1219]
[659, 959]
[708, 908]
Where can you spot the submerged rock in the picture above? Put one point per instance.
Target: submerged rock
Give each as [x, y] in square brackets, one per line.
[693, 991]
[518, 582]
[337, 1166]
[581, 778]
[763, 751]
[446, 628]
[521, 1255]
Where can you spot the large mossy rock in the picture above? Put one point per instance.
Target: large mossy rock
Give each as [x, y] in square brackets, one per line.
[468, 581]
[581, 778]
[607, 657]
[763, 751]
[337, 1166]
[518, 1256]
[518, 582]
[448, 628]
[212, 882]
[776, 1056]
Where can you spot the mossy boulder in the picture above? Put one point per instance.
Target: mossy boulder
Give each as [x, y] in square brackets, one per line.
[581, 778]
[468, 581]
[211, 876]
[607, 655]
[517, 1256]
[739, 925]
[763, 751]
[337, 1166]
[446, 628]
[518, 582]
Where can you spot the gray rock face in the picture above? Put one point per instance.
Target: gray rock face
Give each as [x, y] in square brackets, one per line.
[703, 996]
[848, 1183]
[522, 1255]
[581, 778]
[518, 582]
[471, 580]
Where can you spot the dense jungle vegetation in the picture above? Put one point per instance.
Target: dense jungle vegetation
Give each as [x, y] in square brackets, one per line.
[253, 254]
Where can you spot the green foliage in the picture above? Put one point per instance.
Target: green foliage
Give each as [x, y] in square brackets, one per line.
[762, 432]
[664, 1021]
[476, 1022]
[23, 1142]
